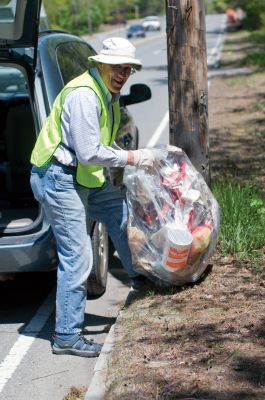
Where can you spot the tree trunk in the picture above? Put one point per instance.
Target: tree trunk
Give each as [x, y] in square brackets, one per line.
[187, 80]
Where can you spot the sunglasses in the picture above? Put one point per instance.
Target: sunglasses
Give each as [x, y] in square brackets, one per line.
[125, 71]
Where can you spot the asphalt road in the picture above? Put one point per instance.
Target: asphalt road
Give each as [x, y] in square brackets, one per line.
[28, 369]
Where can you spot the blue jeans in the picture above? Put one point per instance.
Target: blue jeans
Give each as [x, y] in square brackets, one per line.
[68, 207]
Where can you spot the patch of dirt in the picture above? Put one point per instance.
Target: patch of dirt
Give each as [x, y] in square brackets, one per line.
[207, 340]
[76, 394]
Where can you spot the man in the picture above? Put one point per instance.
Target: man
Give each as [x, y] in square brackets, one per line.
[74, 146]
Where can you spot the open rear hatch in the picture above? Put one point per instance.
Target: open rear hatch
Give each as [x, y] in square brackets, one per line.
[19, 23]
[19, 20]
[18, 209]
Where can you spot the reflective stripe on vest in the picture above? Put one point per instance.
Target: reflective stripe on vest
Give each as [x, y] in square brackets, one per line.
[51, 134]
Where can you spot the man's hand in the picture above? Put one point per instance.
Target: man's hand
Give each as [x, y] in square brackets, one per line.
[141, 158]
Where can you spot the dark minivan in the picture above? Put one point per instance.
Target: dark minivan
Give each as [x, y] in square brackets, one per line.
[34, 67]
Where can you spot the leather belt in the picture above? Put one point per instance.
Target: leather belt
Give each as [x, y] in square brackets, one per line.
[56, 162]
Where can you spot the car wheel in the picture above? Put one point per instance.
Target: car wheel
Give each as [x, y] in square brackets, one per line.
[97, 280]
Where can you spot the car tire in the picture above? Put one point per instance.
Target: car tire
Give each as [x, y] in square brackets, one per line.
[97, 280]
[135, 141]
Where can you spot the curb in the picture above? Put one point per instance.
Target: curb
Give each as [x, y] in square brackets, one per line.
[97, 387]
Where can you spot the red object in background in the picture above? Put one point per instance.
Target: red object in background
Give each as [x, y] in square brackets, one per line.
[231, 15]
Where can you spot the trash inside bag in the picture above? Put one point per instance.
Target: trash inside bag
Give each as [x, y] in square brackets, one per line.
[173, 218]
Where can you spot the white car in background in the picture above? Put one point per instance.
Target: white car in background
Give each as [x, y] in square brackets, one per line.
[152, 23]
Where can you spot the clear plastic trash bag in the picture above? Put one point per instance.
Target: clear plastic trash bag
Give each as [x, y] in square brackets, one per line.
[173, 219]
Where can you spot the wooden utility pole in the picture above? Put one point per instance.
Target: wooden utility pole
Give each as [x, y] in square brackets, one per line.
[187, 81]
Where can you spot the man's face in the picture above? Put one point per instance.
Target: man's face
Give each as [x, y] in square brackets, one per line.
[115, 76]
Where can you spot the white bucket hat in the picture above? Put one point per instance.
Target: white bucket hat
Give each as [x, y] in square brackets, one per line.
[116, 50]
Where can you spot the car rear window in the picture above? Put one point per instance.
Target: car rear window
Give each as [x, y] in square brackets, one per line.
[72, 58]
[136, 28]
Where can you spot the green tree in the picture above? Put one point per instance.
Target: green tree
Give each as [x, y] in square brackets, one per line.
[151, 7]
[72, 15]
[215, 6]
[255, 12]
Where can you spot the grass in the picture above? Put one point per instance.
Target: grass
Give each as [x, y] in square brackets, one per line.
[260, 106]
[256, 57]
[243, 207]
[254, 54]
[242, 219]
[258, 37]
[243, 81]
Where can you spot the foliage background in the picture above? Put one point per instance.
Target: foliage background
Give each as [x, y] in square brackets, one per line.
[73, 15]
[254, 9]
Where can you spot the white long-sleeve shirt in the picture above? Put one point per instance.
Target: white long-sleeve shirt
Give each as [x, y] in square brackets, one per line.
[81, 130]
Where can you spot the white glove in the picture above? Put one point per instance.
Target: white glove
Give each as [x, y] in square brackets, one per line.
[143, 158]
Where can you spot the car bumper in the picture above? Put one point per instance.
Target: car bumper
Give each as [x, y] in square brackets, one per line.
[29, 253]
[138, 35]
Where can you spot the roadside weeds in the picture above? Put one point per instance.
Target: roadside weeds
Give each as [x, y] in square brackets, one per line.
[206, 340]
[75, 394]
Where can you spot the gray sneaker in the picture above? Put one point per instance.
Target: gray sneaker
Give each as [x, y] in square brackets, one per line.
[77, 346]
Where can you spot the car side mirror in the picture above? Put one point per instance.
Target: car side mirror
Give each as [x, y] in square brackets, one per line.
[138, 93]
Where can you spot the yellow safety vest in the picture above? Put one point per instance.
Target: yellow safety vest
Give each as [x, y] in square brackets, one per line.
[50, 136]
